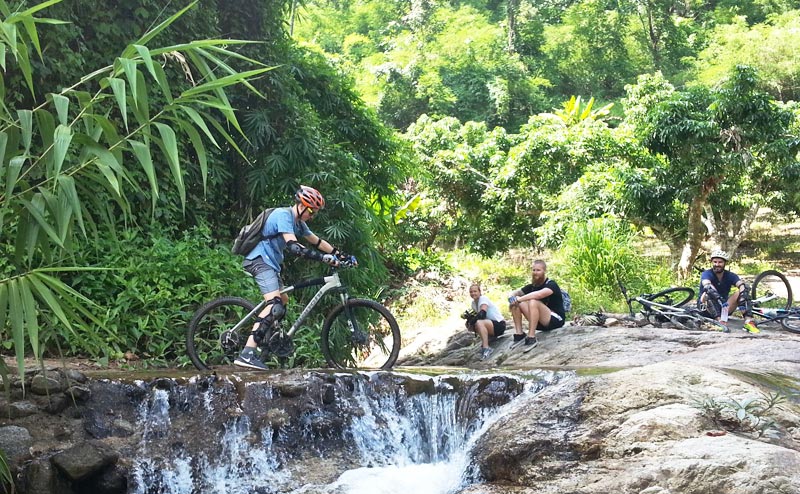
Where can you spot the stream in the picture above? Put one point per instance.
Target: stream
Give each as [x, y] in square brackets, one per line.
[381, 433]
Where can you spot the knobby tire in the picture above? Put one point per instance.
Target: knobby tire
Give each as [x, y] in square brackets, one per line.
[383, 336]
[208, 324]
[772, 281]
[667, 297]
[791, 323]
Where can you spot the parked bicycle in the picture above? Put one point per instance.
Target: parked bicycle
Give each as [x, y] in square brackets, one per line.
[670, 305]
[771, 301]
[357, 333]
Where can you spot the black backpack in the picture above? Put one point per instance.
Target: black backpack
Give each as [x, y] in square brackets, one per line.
[250, 235]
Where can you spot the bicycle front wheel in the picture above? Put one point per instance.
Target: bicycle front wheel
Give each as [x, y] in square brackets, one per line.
[771, 290]
[674, 297]
[211, 340]
[791, 323]
[360, 334]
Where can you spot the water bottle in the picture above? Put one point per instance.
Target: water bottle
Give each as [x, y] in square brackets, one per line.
[723, 316]
[770, 313]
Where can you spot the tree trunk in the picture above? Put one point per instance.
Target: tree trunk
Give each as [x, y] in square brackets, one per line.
[695, 233]
[512, 7]
[730, 228]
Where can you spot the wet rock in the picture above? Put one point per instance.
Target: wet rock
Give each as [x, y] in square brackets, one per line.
[49, 383]
[84, 459]
[108, 481]
[74, 376]
[291, 389]
[41, 477]
[15, 441]
[57, 403]
[19, 409]
[79, 393]
[328, 394]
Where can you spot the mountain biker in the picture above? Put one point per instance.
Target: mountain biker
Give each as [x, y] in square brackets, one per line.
[715, 290]
[540, 302]
[488, 322]
[280, 232]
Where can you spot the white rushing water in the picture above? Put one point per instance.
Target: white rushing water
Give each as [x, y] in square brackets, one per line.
[419, 444]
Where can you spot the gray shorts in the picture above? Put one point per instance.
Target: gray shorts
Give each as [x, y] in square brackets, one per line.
[266, 278]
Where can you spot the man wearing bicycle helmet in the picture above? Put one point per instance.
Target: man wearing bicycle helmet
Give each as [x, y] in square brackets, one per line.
[280, 233]
[716, 296]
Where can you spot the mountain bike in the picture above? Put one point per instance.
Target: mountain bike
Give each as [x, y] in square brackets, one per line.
[669, 305]
[771, 301]
[357, 333]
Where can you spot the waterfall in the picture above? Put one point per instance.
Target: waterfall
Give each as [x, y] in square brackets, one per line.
[327, 434]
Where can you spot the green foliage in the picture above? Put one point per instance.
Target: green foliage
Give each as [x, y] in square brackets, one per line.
[149, 288]
[413, 260]
[600, 252]
[750, 415]
[67, 159]
[771, 46]
[6, 479]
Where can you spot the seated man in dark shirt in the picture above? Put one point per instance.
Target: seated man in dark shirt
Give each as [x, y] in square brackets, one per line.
[540, 302]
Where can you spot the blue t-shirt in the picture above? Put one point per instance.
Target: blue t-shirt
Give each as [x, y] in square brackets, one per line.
[723, 286]
[271, 249]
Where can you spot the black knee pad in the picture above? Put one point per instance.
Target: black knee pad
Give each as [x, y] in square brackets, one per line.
[278, 309]
[265, 323]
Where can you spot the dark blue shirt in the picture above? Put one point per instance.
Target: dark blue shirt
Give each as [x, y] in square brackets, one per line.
[723, 286]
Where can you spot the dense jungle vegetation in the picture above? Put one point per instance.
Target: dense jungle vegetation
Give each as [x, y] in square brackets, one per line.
[139, 135]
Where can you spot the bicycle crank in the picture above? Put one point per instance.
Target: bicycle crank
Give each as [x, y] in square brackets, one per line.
[280, 345]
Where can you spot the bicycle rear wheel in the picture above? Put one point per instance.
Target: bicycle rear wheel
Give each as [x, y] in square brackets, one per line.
[210, 339]
[674, 297]
[375, 342]
[791, 323]
[771, 285]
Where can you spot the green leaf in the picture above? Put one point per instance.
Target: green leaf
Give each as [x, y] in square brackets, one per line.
[131, 73]
[61, 141]
[199, 149]
[129, 51]
[155, 70]
[24, 65]
[38, 7]
[170, 145]
[46, 295]
[30, 314]
[12, 174]
[3, 303]
[223, 82]
[33, 35]
[70, 193]
[142, 153]
[62, 107]
[36, 209]
[118, 87]
[17, 323]
[200, 122]
[26, 125]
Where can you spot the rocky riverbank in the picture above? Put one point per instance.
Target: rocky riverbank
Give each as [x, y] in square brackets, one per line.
[641, 410]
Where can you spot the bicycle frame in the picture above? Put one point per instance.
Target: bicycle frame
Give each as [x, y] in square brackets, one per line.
[669, 312]
[777, 314]
[329, 283]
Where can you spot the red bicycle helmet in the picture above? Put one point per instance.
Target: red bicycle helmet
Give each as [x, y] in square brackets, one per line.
[309, 197]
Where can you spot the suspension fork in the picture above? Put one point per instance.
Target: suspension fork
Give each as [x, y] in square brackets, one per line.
[358, 336]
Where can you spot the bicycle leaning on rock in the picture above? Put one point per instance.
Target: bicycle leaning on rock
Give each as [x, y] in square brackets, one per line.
[357, 333]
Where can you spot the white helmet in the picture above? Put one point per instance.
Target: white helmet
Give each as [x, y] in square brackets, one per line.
[721, 254]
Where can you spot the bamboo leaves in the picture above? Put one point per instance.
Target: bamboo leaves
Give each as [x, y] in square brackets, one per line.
[95, 132]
